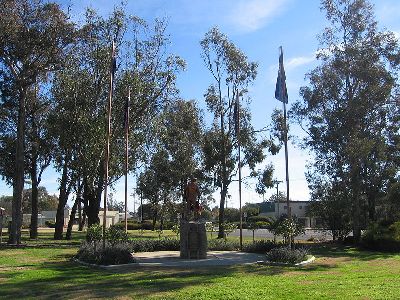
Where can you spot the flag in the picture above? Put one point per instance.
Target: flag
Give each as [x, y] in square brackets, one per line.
[280, 90]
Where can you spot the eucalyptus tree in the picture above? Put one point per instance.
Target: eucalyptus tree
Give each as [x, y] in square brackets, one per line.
[232, 72]
[348, 110]
[33, 36]
[81, 93]
[177, 155]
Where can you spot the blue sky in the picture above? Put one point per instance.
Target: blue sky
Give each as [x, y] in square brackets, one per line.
[258, 27]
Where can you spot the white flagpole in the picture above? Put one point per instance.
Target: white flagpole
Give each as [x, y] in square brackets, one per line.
[107, 154]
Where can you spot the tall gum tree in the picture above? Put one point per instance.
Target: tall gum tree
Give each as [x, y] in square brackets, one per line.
[33, 36]
[232, 72]
[347, 109]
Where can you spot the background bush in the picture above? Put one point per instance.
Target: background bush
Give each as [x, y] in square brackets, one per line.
[382, 237]
[50, 223]
[112, 254]
[287, 255]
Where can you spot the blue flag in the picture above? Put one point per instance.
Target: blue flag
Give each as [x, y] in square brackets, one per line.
[280, 90]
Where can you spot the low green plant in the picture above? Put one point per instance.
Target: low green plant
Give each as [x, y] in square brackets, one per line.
[151, 245]
[50, 223]
[382, 237]
[260, 246]
[229, 228]
[287, 255]
[111, 254]
[176, 228]
[116, 235]
[223, 245]
[94, 233]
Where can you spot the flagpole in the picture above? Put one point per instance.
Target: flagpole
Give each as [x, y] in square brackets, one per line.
[107, 154]
[281, 95]
[126, 158]
[240, 172]
[286, 162]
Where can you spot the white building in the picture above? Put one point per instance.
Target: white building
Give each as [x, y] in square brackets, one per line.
[112, 217]
[297, 208]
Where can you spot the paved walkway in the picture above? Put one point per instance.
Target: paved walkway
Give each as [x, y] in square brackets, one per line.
[214, 258]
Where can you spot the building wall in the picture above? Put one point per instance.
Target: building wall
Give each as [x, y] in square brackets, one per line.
[298, 209]
[112, 217]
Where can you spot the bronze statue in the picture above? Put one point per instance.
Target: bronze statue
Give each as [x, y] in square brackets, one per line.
[192, 197]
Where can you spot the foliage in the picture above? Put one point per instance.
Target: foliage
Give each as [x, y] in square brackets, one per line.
[176, 228]
[50, 224]
[151, 245]
[381, 237]
[117, 248]
[222, 245]
[348, 109]
[94, 233]
[115, 235]
[23, 26]
[260, 246]
[330, 203]
[229, 228]
[232, 73]
[288, 228]
[134, 225]
[112, 254]
[287, 255]
[232, 215]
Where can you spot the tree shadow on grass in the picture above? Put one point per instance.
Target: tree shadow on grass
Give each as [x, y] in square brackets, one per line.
[332, 250]
[66, 280]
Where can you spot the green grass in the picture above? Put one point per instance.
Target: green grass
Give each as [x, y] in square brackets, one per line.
[338, 273]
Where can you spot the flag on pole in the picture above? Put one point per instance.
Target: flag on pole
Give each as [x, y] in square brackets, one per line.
[280, 90]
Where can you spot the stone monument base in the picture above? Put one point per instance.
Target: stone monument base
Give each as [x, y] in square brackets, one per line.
[193, 240]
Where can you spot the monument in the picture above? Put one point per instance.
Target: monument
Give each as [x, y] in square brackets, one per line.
[193, 235]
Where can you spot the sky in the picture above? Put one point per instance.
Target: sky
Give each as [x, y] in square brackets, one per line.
[258, 28]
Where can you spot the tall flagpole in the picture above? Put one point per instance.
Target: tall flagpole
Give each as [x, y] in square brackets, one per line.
[107, 154]
[281, 95]
[126, 157]
[286, 162]
[240, 170]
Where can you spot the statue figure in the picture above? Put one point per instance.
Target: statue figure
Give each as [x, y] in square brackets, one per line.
[192, 197]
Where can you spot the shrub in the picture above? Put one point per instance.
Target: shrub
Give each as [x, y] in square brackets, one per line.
[223, 245]
[94, 233]
[115, 235]
[287, 255]
[50, 223]
[382, 237]
[254, 219]
[134, 225]
[151, 245]
[112, 254]
[259, 246]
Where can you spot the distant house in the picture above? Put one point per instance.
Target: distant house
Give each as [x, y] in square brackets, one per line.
[297, 208]
[112, 217]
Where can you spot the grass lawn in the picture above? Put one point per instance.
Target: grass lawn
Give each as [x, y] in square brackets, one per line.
[338, 273]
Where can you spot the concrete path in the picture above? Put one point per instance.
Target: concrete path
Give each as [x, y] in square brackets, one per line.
[214, 258]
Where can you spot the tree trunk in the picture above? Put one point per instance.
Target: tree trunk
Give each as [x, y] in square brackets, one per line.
[34, 216]
[356, 203]
[18, 183]
[71, 221]
[62, 201]
[224, 187]
[221, 219]
[92, 210]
